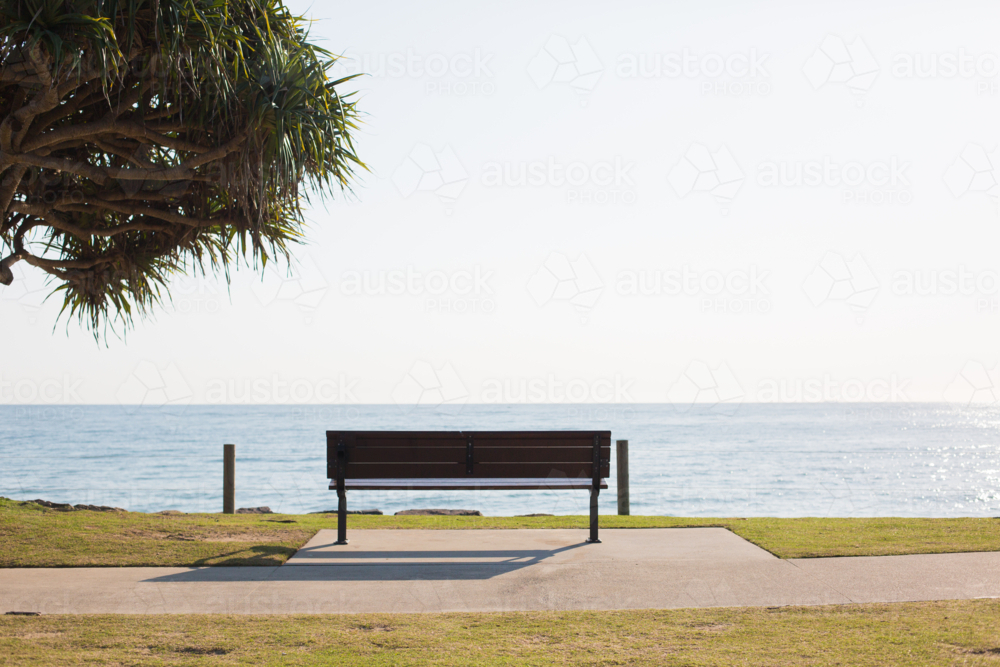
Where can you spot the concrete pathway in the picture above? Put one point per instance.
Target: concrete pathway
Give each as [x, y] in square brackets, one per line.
[506, 570]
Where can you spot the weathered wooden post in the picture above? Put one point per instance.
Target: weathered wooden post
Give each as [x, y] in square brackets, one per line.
[229, 479]
[622, 477]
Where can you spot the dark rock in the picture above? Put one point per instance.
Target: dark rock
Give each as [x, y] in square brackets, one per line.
[439, 513]
[23, 613]
[534, 515]
[66, 507]
[52, 505]
[98, 508]
[171, 512]
[254, 510]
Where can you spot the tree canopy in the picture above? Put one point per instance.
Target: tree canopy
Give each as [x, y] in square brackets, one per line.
[142, 138]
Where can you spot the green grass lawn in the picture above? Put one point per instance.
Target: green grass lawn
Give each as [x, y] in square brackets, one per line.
[923, 633]
[34, 536]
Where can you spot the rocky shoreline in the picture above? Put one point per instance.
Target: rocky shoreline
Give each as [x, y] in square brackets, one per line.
[68, 507]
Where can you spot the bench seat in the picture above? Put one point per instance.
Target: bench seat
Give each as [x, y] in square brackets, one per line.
[450, 484]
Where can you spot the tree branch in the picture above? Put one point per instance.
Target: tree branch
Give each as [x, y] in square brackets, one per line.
[6, 275]
[92, 93]
[107, 125]
[9, 184]
[145, 211]
[94, 173]
[46, 264]
[56, 221]
[185, 170]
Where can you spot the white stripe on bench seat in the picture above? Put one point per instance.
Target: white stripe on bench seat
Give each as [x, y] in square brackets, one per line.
[473, 483]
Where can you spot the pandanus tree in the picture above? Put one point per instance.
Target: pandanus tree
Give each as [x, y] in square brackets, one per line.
[143, 138]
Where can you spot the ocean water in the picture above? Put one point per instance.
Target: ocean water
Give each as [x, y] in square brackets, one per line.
[757, 460]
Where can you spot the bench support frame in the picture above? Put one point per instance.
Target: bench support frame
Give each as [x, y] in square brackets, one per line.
[595, 489]
[341, 492]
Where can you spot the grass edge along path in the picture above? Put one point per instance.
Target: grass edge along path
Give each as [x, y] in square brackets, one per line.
[960, 632]
[35, 536]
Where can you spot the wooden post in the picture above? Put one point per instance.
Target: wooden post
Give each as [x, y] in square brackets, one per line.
[229, 479]
[623, 509]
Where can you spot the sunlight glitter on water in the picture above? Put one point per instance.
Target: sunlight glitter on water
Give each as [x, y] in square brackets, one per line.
[764, 460]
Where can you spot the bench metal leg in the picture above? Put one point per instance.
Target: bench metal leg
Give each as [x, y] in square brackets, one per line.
[341, 517]
[593, 515]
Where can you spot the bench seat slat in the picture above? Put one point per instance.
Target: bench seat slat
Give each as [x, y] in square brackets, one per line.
[480, 470]
[442, 484]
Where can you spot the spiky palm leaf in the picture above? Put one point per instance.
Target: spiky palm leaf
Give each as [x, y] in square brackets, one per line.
[141, 138]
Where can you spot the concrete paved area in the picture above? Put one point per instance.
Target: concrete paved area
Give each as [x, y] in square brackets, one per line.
[506, 570]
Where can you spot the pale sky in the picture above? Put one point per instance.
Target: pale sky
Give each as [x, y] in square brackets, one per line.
[608, 202]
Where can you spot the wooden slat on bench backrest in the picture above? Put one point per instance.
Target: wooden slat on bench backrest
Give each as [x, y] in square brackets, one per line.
[484, 438]
[429, 454]
[541, 454]
[481, 454]
[409, 439]
[540, 438]
[406, 455]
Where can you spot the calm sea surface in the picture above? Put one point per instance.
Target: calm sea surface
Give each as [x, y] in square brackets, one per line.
[760, 460]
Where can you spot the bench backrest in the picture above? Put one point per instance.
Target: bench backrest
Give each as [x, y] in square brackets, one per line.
[471, 454]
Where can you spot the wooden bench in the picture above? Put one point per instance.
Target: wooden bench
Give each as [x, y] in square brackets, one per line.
[467, 460]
